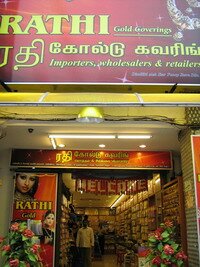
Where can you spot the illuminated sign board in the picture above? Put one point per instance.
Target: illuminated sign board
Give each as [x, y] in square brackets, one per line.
[92, 159]
[103, 42]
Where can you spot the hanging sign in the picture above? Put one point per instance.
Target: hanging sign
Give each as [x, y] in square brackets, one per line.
[93, 159]
[111, 186]
[90, 41]
[196, 166]
[35, 202]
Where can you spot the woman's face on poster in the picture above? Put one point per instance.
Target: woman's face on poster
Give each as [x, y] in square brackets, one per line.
[24, 182]
[49, 220]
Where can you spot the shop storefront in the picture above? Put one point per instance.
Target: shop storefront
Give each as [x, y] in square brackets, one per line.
[150, 195]
[133, 59]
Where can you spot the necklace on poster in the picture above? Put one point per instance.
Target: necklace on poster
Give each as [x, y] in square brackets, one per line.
[48, 236]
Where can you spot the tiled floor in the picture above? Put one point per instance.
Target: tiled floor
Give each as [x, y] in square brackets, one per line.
[106, 261]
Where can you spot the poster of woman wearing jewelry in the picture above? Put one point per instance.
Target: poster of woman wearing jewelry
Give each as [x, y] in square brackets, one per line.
[47, 237]
[35, 197]
[48, 228]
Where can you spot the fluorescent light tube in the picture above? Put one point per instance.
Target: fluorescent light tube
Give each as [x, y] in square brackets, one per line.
[117, 201]
[53, 142]
[133, 136]
[83, 136]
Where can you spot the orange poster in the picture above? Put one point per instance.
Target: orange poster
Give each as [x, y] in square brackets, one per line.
[35, 202]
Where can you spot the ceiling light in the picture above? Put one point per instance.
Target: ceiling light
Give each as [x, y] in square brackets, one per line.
[142, 146]
[90, 115]
[157, 180]
[61, 145]
[133, 136]
[83, 136]
[101, 145]
[117, 201]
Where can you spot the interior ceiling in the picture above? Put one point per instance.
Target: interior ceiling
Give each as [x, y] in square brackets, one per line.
[163, 123]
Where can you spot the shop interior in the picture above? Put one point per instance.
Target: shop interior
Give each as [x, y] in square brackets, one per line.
[126, 219]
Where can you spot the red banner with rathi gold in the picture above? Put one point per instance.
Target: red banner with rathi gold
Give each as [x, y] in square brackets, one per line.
[104, 42]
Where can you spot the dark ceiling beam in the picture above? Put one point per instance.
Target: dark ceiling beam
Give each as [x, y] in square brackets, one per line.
[173, 89]
[5, 86]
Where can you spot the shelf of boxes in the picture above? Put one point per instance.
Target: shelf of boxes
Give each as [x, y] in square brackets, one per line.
[144, 219]
[127, 221]
[171, 209]
[135, 220]
[152, 214]
[142, 213]
[64, 233]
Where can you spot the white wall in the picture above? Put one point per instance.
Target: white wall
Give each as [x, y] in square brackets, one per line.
[6, 192]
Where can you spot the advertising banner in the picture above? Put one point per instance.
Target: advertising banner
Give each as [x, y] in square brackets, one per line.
[92, 159]
[104, 42]
[35, 202]
[196, 164]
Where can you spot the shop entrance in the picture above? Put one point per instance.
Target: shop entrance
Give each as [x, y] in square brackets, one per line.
[125, 219]
[124, 202]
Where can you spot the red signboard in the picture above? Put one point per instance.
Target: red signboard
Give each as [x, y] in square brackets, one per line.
[196, 164]
[90, 41]
[92, 159]
[35, 202]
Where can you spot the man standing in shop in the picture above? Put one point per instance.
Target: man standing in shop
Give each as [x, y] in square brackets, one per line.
[85, 244]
